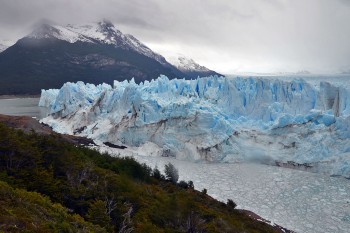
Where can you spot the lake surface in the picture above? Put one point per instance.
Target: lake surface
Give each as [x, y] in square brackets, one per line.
[300, 201]
[22, 107]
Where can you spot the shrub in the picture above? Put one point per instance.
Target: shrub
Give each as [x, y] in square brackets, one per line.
[183, 184]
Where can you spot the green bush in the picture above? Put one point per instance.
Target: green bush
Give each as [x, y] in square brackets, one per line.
[183, 184]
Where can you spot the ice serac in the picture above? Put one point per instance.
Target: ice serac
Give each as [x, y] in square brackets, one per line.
[50, 96]
[214, 119]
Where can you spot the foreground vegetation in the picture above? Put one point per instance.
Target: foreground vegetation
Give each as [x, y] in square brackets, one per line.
[50, 185]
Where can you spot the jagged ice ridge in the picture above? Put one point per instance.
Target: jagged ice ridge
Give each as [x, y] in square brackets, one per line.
[213, 118]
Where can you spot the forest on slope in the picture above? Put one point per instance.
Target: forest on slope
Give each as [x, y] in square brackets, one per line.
[48, 184]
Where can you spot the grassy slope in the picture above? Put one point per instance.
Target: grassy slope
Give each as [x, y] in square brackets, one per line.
[102, 190]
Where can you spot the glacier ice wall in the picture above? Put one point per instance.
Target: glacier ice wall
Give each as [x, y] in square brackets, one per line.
[213, 118]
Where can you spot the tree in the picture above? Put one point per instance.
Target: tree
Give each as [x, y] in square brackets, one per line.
[126, 226]
[156, 174]
[194, 223]
[231, 203]
[190, 184]
[171, 173]
[111, 204]
[98, 214]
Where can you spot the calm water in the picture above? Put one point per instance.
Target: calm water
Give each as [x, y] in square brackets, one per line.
[22, 107]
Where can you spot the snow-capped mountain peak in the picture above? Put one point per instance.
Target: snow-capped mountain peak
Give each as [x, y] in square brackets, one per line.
[186, 64]
[52, 31]
[4, 44]
[45, 31]
[102, 32]
[189, 66]
[3, 47]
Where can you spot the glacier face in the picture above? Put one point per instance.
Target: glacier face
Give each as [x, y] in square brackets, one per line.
[213, 118]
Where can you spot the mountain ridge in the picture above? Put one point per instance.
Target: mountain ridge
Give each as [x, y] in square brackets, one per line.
[3, 47]
[52, 55]
[190, 67]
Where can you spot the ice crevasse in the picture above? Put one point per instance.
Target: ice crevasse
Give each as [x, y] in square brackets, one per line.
[212, 118]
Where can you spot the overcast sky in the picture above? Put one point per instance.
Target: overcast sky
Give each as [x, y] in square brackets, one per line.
[228, 36]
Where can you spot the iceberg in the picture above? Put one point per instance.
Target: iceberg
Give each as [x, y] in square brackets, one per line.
[212, 118]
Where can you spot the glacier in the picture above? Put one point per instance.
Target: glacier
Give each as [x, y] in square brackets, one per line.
[214, 119]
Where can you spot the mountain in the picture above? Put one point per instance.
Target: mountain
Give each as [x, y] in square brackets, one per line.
[4, 44]
[105, 32]
[3, 47]
[189, 67]
[53, 54]
[215, 119]
[102, 32]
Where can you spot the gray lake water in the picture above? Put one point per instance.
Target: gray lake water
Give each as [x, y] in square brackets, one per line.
[22, 107]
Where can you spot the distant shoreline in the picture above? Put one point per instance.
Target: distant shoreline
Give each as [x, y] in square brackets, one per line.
[18, 96]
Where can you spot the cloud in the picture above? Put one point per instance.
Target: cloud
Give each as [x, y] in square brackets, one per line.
[225, 35]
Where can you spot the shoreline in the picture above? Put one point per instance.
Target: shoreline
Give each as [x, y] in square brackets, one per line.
[19, 96]
[256, 217]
